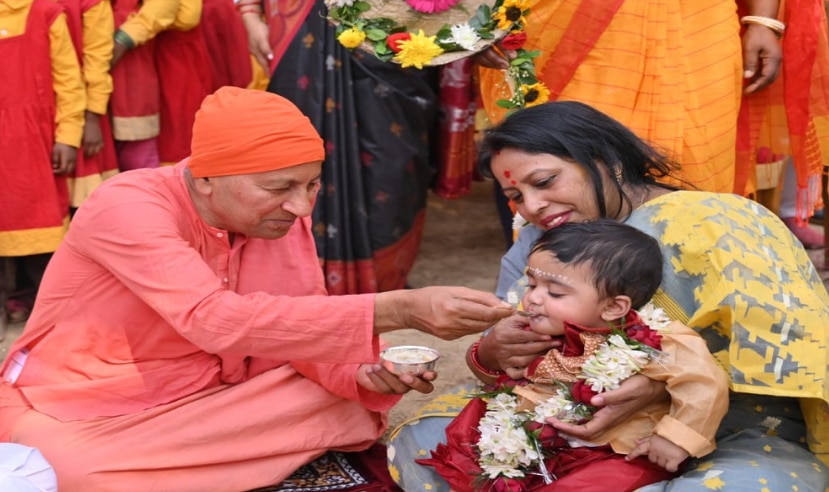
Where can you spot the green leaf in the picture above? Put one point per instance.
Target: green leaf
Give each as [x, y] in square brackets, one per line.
[382, 49]
[506, 103]
[384, 56]
[375, 34]
[483, 16]
[361, 6]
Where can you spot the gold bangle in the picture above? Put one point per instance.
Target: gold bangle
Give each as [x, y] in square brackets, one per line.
[775, 25]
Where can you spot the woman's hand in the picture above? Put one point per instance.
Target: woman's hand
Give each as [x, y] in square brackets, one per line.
[616, 406]
[259, 43]
[762, 57]
[511, 346]
[64, 158]
[93, 138]
[493, 57]
[374, 377]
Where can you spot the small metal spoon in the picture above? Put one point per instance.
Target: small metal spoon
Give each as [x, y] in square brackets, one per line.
[526, 314]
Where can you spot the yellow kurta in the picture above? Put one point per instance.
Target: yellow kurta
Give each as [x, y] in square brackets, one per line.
[98, 25]
[69, 93]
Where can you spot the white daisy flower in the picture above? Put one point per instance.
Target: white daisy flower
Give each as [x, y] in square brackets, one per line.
[464, 36]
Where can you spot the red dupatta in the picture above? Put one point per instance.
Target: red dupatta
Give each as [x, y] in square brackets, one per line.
[795, 108]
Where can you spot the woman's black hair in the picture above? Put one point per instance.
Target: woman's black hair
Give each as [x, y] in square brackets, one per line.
[623, 259]
[578, 133]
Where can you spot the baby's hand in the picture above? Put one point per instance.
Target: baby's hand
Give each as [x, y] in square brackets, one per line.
[659, 451]
[374, 377]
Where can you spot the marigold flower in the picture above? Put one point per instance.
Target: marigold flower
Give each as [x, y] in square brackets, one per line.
[351, 38]
[417, 51]
[511, 12]
[535, 94]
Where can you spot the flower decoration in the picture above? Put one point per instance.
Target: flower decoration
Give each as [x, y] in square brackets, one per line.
[417, 51]
[432, 6]
[351, 38]
[390, 40]
[511, 12]
[515, 438]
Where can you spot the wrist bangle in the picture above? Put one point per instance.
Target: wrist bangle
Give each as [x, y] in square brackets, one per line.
[250, 10]
[254, 3]
[775, 25]
[476, 363]
[124, 39]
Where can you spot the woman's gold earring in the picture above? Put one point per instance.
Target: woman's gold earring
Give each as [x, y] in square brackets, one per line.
[618, 173]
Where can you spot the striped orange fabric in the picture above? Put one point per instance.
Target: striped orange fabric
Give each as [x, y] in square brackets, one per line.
[792, 116]
[671, 70]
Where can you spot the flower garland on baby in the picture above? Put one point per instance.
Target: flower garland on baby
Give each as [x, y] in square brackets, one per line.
[391, 41]
[514, 433]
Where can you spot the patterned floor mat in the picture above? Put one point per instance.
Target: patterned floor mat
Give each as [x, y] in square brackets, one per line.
[336, 471]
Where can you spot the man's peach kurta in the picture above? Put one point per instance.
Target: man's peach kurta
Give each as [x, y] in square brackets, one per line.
[161, 356]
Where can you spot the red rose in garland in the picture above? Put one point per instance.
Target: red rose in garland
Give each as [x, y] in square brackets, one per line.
[514, 41]
[644, 335]
[581, 392]
[395, 38]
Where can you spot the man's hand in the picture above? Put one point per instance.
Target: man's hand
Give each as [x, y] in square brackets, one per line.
[374, 377]
[511, 346]
[258, 41]
[445, 312]
[63, 158]
[762, 57]
[659, 451]
[616, 406]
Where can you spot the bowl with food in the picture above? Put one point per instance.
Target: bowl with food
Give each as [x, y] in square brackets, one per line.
[409, 359]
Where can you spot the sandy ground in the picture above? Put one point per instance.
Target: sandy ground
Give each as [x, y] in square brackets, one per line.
[462, 245]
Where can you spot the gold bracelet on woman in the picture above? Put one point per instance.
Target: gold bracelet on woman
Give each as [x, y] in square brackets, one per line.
[775, 25]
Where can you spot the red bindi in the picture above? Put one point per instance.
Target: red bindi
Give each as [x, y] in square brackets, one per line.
[507, 173]
[512, 182]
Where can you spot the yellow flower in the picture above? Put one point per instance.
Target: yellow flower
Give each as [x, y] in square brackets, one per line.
[351, 38]
[510, 12]
[535, 94]
[417, 51]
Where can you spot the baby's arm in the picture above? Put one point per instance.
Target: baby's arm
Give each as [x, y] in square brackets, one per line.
[698, 386]
[659, 451]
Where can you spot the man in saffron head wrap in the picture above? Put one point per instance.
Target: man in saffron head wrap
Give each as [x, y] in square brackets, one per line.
[183, 339]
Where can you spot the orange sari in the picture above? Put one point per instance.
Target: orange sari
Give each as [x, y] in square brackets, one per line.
[670, 70]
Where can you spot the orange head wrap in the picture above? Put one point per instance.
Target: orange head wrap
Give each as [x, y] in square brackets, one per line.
[243, 131]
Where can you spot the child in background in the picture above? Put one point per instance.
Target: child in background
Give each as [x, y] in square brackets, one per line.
[91, 26]
[42, 104]
[584, 281]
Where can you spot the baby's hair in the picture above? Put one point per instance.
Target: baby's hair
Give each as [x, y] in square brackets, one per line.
[624, 260]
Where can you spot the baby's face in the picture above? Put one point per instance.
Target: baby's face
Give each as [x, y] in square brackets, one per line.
[557, 293]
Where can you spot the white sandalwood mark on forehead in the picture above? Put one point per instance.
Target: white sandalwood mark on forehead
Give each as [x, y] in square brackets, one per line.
[538, 273]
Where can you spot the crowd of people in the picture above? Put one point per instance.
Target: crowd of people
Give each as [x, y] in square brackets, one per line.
[275, 199]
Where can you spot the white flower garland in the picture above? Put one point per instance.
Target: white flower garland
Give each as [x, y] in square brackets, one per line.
[506, 449]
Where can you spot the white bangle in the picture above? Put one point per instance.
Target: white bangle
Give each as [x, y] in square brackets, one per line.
[775, 25]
